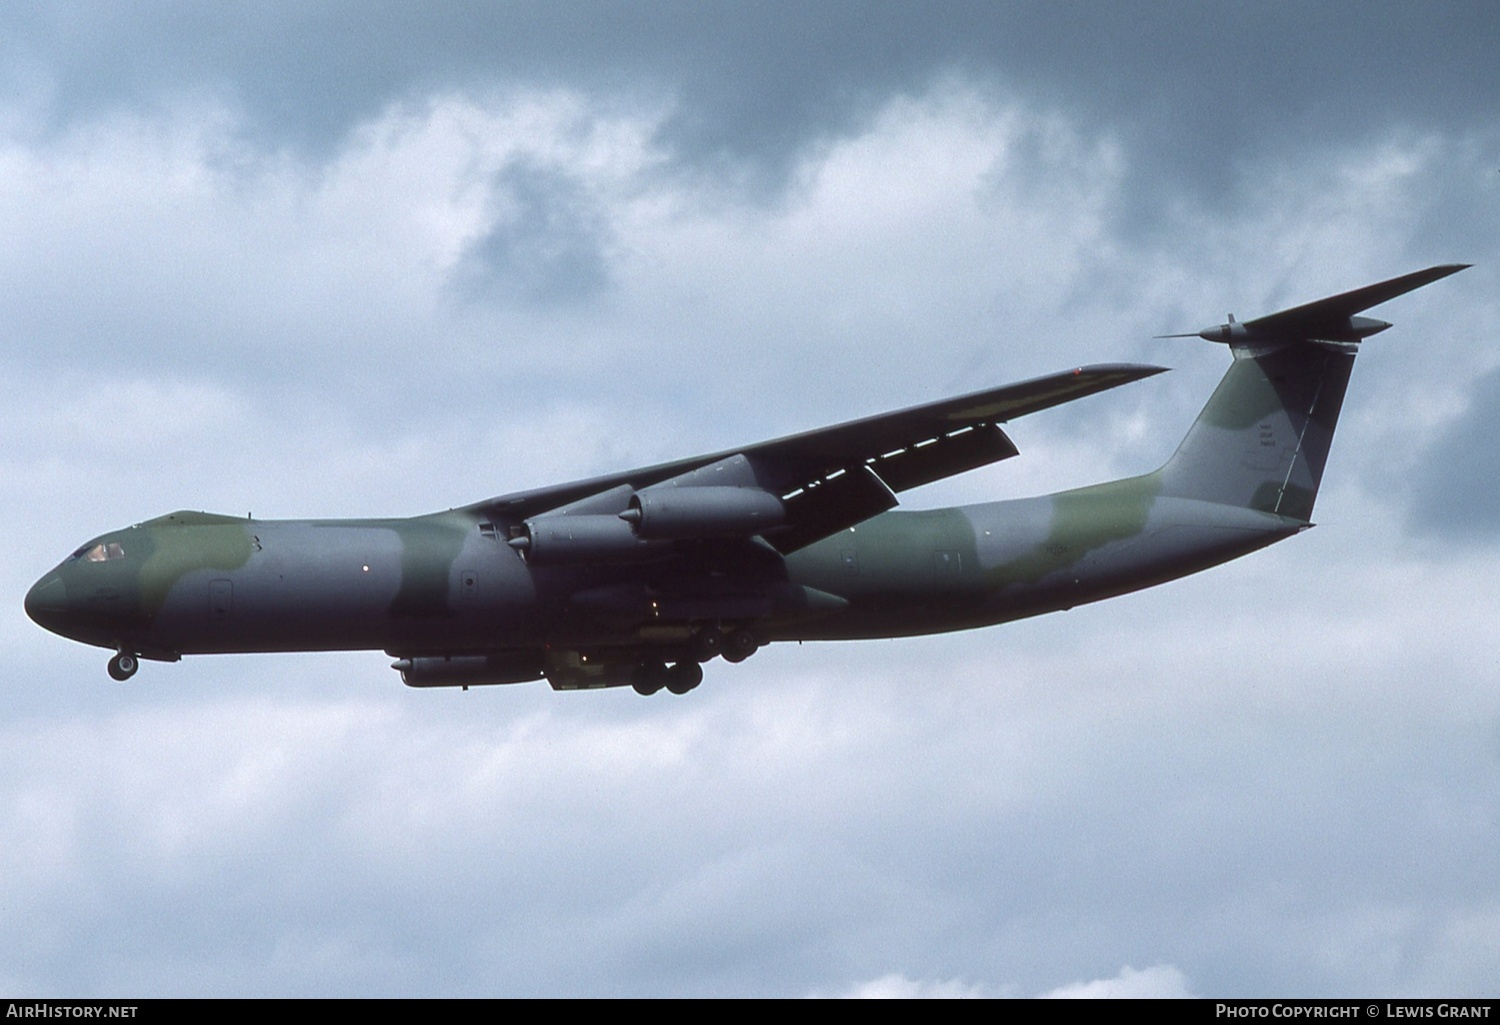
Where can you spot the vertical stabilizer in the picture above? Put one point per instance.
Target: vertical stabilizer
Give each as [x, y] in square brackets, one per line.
[1262, 441]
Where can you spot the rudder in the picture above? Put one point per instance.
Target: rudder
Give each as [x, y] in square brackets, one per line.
[1262, 440]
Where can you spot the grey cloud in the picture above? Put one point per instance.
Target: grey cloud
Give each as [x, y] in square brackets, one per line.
[1455, 495]
[1026, 825]
[1202, 91]
[547, 246]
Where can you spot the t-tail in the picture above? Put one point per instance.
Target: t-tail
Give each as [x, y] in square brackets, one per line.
[1262, 441]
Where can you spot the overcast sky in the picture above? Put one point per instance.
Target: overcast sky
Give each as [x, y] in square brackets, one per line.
[342, 259]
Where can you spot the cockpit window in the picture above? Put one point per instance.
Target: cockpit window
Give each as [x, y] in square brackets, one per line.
[102, 552]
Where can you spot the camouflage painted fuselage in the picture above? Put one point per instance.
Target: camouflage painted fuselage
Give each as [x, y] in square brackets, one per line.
[609, 581]
[954, 569]
[194, 583]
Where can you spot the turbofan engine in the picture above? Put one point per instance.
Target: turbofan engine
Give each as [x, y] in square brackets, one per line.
[677, 512]
[652, 520]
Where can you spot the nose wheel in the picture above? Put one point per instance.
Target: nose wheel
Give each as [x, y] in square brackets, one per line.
[123, 666]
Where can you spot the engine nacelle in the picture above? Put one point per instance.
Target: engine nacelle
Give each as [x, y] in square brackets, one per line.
[471, 670]
[571, 540]
[691, 512]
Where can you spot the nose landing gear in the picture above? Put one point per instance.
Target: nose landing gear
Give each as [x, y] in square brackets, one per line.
[123, 666]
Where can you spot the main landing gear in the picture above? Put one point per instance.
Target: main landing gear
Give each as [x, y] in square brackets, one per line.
[734, 643]
[123, 666]
[739, 644]
[679, 679]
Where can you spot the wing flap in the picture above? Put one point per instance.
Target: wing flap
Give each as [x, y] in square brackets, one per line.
[932, 459]
[828, 506]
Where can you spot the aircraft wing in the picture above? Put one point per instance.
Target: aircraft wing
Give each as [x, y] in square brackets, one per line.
[834, 477]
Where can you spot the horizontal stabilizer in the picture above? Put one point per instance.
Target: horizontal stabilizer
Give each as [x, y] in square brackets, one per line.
[1330, 320]
[1326, 317]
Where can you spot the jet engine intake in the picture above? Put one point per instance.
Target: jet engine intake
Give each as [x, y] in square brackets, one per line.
[693, 512]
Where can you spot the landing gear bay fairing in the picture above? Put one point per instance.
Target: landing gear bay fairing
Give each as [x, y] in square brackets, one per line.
[639, 578]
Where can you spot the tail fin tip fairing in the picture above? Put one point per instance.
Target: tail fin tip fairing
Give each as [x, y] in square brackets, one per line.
[1332, 319]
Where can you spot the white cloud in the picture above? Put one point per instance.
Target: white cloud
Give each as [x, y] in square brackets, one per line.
[898, 987]
[1155, 983]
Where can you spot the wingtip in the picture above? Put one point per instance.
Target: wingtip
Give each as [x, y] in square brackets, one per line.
[1149, 369]
[1436, 272]
[1130, 371]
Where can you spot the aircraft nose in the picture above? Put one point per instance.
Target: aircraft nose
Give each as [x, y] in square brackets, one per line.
[47, 602]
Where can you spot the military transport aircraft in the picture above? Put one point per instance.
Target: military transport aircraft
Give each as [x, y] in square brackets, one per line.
[641, 577]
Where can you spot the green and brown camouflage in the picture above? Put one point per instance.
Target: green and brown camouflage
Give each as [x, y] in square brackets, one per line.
[613, 580]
